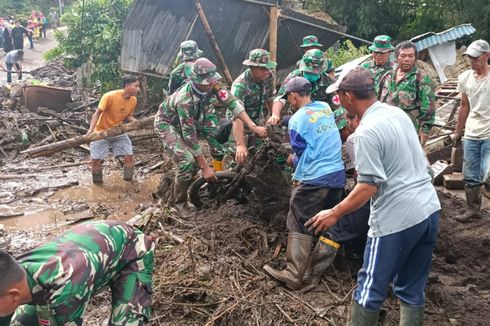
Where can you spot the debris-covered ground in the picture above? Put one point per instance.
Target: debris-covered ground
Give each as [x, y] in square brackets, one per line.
[208, 268]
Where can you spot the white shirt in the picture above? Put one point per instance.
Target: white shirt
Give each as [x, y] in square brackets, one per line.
[388, 154]
[478, 93]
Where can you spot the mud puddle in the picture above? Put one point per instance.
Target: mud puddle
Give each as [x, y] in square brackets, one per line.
[115, 199]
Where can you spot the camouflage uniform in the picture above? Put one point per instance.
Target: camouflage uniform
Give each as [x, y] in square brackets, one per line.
[378, 71]
[381, 44]
[251, 93]
[319, 87]
[188, 52]
[66, 272]
[185, 115]
[414, 94]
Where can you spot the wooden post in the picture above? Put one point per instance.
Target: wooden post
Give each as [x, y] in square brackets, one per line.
[274, 13]
[273, 33]
[214, 44]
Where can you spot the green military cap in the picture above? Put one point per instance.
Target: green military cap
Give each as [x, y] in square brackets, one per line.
[340, 117]
[260, 58]
[382, 43]
[189, 50]
[310, 40]
[313, 62]
[202, 72]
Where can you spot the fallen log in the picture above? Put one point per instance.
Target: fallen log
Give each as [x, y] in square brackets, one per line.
[49, 149]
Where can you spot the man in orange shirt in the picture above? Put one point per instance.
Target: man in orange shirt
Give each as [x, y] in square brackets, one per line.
[114, 108]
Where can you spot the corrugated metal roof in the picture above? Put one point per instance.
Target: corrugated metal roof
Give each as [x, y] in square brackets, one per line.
[154, 30]
[429, 39]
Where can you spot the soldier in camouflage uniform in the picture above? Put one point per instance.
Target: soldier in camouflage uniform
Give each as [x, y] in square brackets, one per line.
[313, 68]
[407, 88]
[255, 89]
[189, 52]
[380, 62]
[52, 284]
[188, 113]
[311, 42]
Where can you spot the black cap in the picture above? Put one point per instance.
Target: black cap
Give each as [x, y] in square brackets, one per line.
[355, 79]
[297, 84]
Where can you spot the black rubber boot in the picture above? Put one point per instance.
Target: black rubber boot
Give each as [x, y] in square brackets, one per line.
[410, 315]
[321, 258]
[362, 317]
[297, 255]
[473, 203]
[180, 196]
[128, 172]
[97, 177]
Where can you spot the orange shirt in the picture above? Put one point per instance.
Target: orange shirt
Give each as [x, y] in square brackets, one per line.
[115, 109]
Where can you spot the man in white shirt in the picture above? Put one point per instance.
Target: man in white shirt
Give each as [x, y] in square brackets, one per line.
[404, 218]
[474, 116]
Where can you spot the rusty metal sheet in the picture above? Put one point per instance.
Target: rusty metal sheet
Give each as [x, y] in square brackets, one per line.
[36, 96]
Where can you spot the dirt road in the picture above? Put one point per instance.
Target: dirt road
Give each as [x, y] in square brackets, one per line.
[33, 58]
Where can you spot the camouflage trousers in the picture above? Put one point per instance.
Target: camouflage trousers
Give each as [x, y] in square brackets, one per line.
[131, 291]
[174, 145]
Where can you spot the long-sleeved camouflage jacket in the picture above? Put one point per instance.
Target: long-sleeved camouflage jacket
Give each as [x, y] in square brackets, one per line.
[378, 71]
[414, 94]
[177, 78]
[191, 114]
[319, 88]
[253, 95]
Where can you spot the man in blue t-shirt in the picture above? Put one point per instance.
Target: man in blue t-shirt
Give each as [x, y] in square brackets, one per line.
[320, 171]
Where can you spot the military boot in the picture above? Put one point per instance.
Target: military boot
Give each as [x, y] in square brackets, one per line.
[362, 317]
[180, 197]
[410, 315]
[473, 203]
[297, 255]
[321, 258]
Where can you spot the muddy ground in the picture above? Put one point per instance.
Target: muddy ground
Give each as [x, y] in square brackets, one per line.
[208, 269]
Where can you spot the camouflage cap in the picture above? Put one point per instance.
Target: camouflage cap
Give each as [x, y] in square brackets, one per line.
[202, 72]
[310, 40]
[382, 43]
[189, 50]
[313, 62]
[260, 58]
[340, 117]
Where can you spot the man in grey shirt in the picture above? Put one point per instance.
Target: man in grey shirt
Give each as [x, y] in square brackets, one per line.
[392, 172]
[13, 59]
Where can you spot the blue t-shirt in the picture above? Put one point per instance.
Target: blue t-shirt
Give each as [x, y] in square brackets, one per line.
[316, 143]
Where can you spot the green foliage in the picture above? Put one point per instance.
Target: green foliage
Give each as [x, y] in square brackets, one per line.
[24, 7]
[94, 35]
[404, 19]
[346, 52]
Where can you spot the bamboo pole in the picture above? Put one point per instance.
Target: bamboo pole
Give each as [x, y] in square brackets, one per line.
[49, 149]
[212, 40]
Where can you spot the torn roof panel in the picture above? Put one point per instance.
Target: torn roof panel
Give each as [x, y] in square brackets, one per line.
[429, 39]
[154, 30]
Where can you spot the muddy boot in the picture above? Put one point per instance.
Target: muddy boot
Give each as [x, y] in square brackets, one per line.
[297, 256]
[410, 315]
[97, 177]
[363, 317]
[128, 172]
[473, 203]
[321, 258]
[180, 197]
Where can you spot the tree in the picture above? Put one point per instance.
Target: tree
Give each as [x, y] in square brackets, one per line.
[94, 35]
[404, 19]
